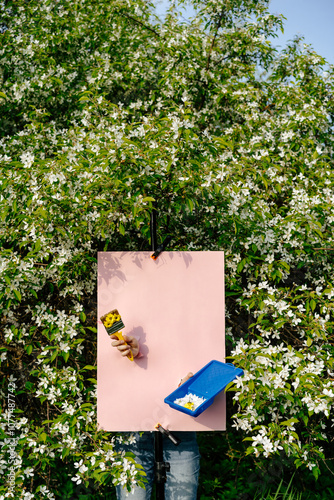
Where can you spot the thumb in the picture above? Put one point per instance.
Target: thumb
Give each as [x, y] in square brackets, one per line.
[129, 340]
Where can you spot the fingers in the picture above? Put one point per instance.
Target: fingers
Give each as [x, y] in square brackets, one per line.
[126, 351]
[127, 339]
[122, 347]
[132, 341]
[126, 346]
[187, 377]
[117, 343]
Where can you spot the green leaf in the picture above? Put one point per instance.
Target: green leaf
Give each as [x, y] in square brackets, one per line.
[28, 348]
[228, 294]
[316, 472]
[241, 265]
[190, 204]
[66, 355]
[290, 421]
[82, 316]
[37, 245]
[42, 212]
[29, 385]
[100, 201]
[54, 355]
[17, 295]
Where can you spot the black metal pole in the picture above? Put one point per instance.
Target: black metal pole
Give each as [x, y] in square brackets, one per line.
[160, 466]
[153, 227]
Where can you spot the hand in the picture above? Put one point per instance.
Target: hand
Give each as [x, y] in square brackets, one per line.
[187, 377]
[126, 345]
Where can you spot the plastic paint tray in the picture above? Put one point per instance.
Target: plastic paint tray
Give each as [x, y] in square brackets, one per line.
[206, 383]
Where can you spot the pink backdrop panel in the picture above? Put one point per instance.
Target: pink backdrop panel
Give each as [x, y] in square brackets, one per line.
[174, 306]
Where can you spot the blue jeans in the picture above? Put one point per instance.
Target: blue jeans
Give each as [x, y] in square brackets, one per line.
[182, 480]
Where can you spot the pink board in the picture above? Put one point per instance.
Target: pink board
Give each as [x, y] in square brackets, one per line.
[174, 306]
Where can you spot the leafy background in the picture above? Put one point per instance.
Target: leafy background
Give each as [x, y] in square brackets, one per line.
[105, 111]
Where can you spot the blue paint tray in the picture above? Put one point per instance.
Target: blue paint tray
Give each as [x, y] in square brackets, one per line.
[206, 383]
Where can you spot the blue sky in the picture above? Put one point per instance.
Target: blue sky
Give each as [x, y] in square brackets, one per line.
[311, 18]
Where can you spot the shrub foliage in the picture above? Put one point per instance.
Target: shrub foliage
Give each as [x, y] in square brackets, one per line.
[106, 109]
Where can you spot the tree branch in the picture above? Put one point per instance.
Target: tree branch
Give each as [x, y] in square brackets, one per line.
[139, 22]
[214, 39]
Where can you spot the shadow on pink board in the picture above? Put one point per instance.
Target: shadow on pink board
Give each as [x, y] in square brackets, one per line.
[174, 306]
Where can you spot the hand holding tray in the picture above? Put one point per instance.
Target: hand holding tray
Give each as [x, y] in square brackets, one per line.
[203, 387]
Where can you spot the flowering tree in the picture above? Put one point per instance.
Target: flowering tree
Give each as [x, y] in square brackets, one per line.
[106, 109]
